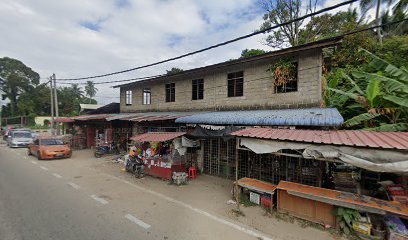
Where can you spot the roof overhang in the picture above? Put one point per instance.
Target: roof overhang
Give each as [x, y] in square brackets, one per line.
[157, 136]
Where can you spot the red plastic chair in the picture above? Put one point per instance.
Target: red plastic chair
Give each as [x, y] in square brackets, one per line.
[192, 172]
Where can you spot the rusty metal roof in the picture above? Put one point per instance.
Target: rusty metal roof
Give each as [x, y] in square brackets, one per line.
[157, 136]
[64, 120]
[91, 117]
[355, 138]
[149, 116]
[344, 199]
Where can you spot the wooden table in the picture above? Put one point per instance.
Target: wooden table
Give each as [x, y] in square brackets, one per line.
[257, 186]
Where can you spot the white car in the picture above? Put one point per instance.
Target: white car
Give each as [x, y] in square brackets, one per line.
[19, 138]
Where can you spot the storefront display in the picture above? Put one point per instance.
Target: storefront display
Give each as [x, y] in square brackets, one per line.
[161, 152]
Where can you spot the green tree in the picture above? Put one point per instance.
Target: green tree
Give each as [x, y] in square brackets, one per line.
[16, 78]
[173, 70]
[329, 25]
[90, 90]
[280, 11]
[76, 91]
[251, 52]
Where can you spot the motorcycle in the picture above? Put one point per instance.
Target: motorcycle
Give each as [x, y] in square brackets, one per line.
[105, 149]
[135, 165]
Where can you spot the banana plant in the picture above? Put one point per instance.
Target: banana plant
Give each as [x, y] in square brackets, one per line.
[384, 99]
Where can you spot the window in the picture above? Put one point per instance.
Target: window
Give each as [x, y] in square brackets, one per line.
[198, 89]
[290, 84]
[146, 96]
[236, 84]
[170, 92]
[128, 97]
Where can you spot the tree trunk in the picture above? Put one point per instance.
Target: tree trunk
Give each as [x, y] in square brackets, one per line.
[378, 20]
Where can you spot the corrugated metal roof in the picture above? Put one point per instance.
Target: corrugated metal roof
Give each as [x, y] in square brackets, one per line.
[64, 120]
[150, 116]
[281, 117]
[355, 138]
[157, 136]
[92, 117]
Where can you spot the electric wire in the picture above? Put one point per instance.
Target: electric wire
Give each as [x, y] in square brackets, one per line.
[217, 45]
[339, 36]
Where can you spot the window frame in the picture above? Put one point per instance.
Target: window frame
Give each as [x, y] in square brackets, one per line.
[146, 92]
[197, 89]
[170, 92]
[292, 84]
[128, 97]
[233, 79]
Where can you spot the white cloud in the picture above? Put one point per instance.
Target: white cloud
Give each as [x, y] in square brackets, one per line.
[57, 37]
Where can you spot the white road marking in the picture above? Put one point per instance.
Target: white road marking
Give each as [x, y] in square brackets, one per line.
[25, 157]
[175, 201]
[56, 175]
[137, 221]
[44, 168]
[73, 185]
[34, 162]
[98, 199]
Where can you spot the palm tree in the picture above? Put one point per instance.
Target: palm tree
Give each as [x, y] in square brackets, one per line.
[365, 5]
[90, 90]
[76, 91]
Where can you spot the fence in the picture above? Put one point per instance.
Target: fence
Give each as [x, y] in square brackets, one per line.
[219, 160]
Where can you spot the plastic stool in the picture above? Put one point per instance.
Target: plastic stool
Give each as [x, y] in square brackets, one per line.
[192, 172]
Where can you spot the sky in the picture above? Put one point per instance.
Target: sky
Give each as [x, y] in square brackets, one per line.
[78, 38]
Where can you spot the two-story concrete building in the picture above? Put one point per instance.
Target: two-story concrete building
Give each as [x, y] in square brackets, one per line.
[217, 99]
[242, 84]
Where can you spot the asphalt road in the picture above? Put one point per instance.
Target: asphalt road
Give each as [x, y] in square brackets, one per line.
[41, 200]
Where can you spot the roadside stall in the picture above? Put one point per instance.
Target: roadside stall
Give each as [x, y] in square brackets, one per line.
[355, 181]
[162, 153]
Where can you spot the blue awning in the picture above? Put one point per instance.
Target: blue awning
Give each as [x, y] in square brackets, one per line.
[321, 117]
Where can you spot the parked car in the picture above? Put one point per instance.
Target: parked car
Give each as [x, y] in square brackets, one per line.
[49, 148]
[19, 138]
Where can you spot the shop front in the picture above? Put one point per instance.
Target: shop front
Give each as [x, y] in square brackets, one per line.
[351, 180]
[161, 152]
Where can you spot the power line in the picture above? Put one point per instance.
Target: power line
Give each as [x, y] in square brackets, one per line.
[216, 45]
[124, 80]
[339, 36]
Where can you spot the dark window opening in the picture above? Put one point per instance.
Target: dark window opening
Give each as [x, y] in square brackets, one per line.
[198, 89]
[236, 84]
[128, 98]
[170, 92]
[146, 96]
[291, 84]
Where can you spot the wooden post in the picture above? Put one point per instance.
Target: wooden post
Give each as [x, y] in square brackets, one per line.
[52, 107]
[237, 192]
[56, 103]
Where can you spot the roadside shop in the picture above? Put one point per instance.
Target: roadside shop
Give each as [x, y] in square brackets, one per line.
[353, 180]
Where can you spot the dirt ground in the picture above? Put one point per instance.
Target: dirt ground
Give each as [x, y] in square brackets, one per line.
[211, 194]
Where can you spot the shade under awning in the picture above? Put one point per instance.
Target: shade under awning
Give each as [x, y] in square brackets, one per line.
[157, 136]
[377, 160]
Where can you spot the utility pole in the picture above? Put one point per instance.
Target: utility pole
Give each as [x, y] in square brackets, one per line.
[52, 108]
[56, 102]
